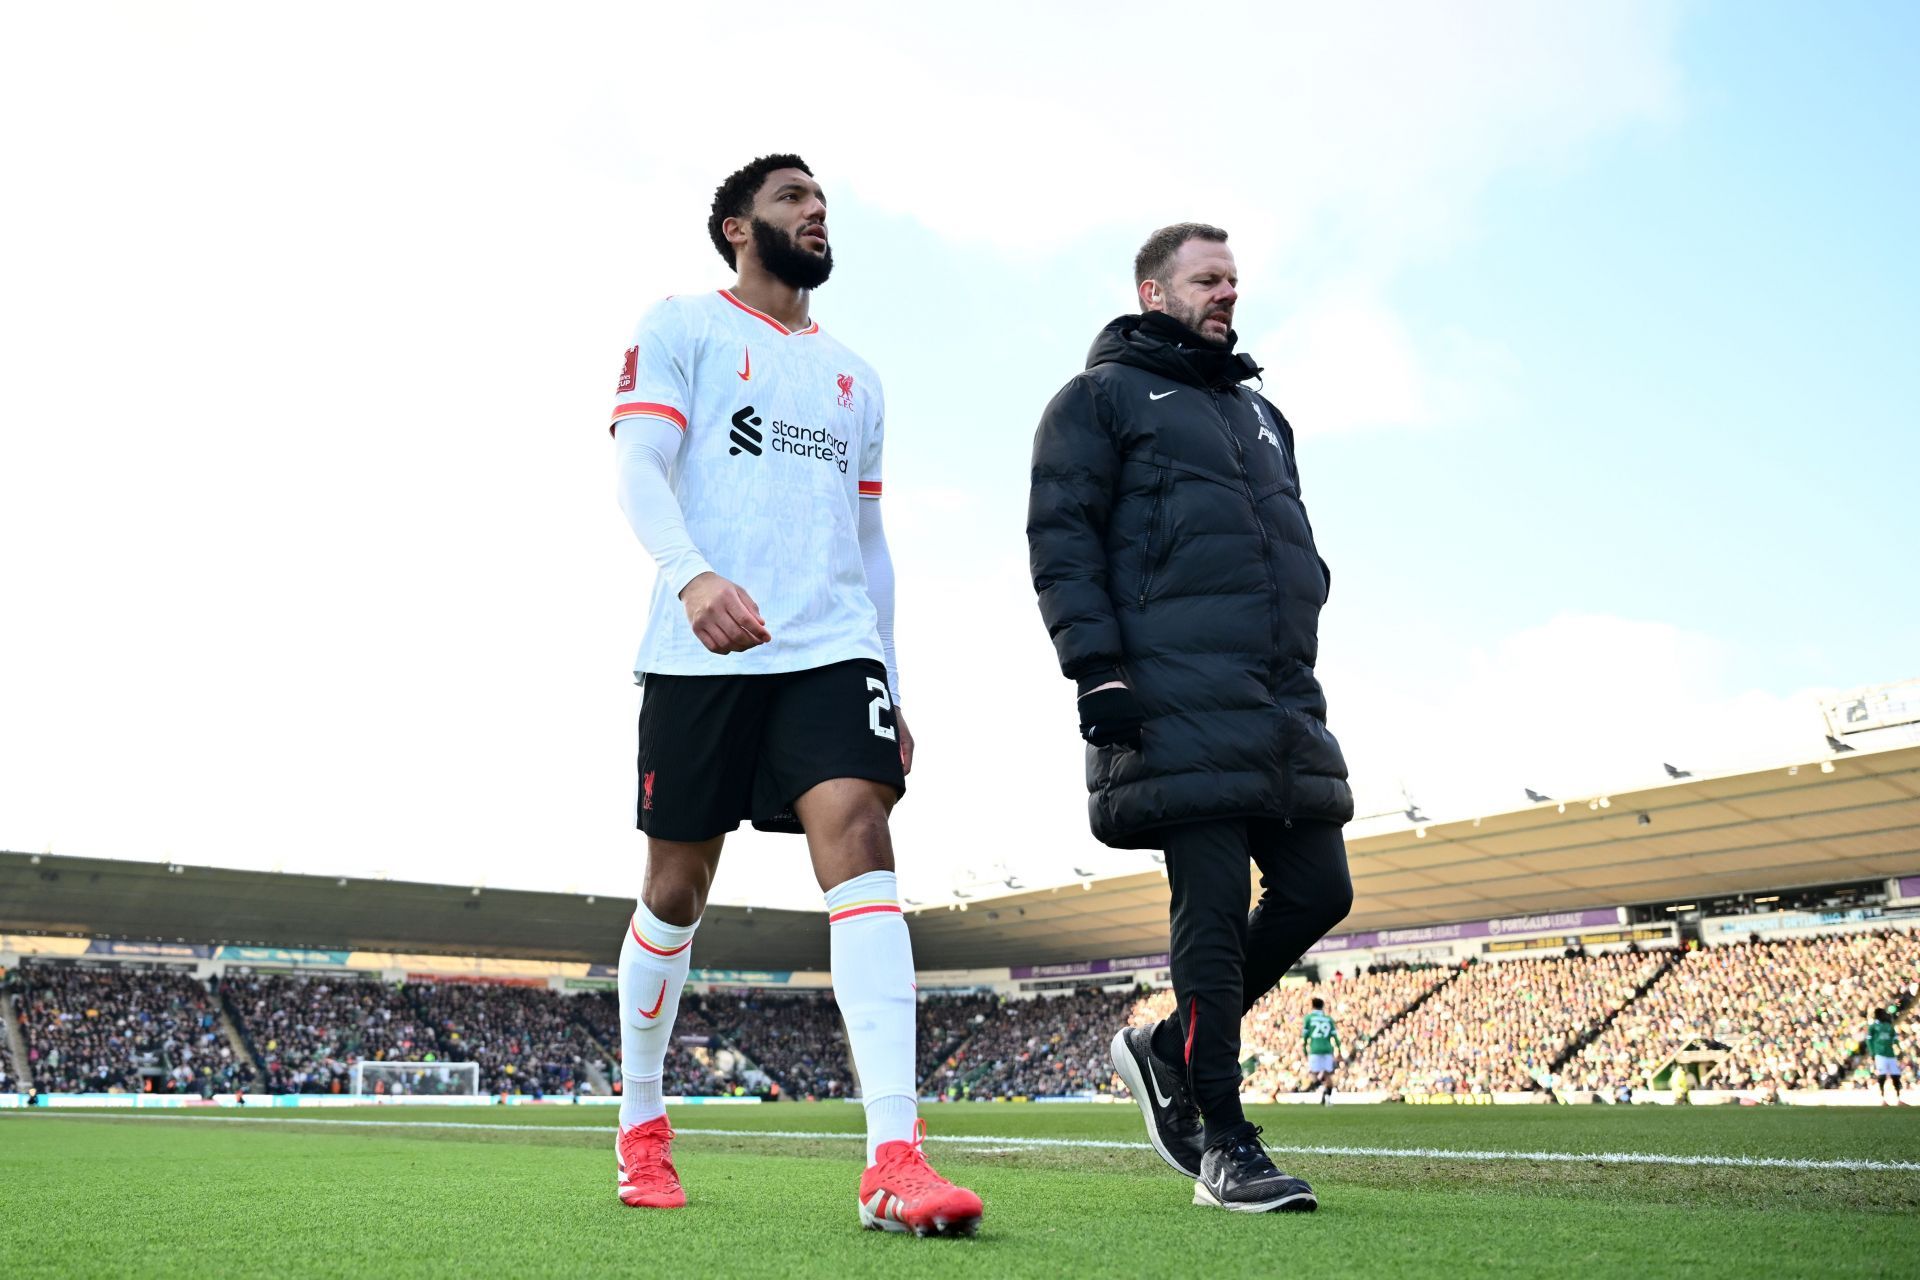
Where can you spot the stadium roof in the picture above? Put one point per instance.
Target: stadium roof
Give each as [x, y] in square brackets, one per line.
[161, 902]
[1773, 829]
[1781, 828]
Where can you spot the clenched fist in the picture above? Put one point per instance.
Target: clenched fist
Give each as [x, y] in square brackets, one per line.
[723, 615]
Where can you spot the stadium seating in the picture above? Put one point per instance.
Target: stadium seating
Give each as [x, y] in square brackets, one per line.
[308, 1032]
[797, 1039]
[1768, 1015]
[1790, 1014]
[945, 1023]
[122, 1030]
[1046, 1046]
[1500, 1027]
[687, 1071]
[1270, 1034]
[524, 1038]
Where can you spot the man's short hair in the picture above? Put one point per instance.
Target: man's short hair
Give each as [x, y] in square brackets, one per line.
[734, 197]
[1318, 1002]
[1151, 262]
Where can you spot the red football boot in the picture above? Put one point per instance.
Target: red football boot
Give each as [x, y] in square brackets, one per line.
[901, 1192]
[648, 1179]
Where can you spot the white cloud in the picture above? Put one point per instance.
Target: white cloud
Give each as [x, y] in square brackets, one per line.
[1346, 361]
[1578, 705]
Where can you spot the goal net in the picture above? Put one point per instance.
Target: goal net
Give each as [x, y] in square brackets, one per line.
[416, 1079]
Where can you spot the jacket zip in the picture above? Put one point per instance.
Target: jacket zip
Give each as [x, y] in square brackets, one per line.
[1273, 583]
[1253, 505]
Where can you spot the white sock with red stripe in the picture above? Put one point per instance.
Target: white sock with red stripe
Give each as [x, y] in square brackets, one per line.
[653, 968]
[873, 984]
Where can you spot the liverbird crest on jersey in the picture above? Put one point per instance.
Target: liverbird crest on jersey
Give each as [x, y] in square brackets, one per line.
[846, 390]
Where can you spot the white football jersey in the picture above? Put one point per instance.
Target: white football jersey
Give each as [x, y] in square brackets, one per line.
[779, 441]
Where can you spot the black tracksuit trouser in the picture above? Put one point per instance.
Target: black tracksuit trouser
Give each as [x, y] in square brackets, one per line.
[1223, 958]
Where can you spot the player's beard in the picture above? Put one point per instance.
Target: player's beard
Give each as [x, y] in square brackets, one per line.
[786, 261]
[1194, 317]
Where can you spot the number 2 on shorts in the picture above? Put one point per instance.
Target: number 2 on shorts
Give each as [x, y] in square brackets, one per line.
[881, 702]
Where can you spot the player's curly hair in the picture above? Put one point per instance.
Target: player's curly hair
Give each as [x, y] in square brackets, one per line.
[734, 197]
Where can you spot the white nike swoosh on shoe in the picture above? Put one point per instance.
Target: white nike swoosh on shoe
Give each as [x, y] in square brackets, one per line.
[1161, 395]
[1153, 1082]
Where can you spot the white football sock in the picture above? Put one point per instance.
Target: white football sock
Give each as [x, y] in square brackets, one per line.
[872, 959]
[653, 969]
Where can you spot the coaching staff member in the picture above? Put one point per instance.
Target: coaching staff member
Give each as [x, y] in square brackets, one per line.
[1178, 578]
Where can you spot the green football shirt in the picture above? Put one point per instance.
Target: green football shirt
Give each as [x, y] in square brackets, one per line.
[1319, 1033]
[1880, 1039]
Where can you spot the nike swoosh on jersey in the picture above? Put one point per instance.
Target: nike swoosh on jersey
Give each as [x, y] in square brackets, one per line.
[746, 364]
[1162, 395]
[651, 1014]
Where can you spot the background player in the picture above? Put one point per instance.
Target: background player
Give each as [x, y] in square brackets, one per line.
[1884, 1045]
[1321, 1042]
[749, 446]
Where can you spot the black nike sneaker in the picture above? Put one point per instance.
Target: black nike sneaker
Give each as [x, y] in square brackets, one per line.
[1173, 1121]
[1236, 1174]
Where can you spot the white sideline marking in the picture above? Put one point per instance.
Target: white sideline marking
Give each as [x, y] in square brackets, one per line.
[1080, 1144]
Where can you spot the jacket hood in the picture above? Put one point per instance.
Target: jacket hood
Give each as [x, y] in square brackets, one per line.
[1160, 344]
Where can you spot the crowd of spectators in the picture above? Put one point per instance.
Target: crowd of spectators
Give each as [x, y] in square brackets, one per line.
[1360, 1007]
[694, 1054]
[308, 1032]
[797, 1039]
[122, 1029]
[1787, 1015]
[1500, 1027]
[1773, 1015]
[945, 1022]
[1044, 1046]
[524, 1038]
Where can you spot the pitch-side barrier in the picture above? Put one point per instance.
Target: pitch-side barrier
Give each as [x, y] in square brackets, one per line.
[180, 1101]
[1644, 1097]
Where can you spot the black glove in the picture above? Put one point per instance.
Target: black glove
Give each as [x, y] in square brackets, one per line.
[1111, 717]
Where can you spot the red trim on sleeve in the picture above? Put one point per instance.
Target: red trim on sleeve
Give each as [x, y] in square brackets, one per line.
[647, 409]
[869, 488]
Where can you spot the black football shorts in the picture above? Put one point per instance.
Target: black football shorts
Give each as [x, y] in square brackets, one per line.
[718, 749]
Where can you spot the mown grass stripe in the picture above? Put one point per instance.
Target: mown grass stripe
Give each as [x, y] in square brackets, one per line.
[983, 1140]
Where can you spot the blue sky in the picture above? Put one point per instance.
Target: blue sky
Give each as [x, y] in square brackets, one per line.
[1595, 325]
[1713, 321]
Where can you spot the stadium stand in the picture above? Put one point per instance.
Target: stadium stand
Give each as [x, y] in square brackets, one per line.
[688, 1071]
[524, 1038]
[1362, 1007]
[308, 1032]
[1046, 1046]
[945, 1023]
[1787, 1014]
[122, 1030]
[1763, 1015]
[796, 1039]
[1501, 1027]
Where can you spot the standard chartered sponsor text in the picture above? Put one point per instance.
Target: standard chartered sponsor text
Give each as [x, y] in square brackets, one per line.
[809, 442]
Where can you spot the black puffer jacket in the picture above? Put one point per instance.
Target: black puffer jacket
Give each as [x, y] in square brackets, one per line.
[1169, 545]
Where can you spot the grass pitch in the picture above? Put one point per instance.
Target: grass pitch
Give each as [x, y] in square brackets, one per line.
[525, 1191]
